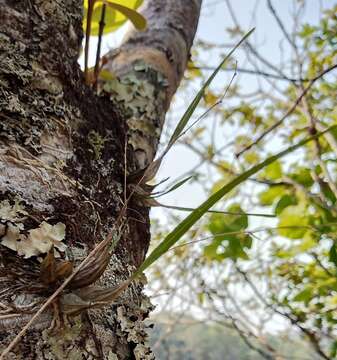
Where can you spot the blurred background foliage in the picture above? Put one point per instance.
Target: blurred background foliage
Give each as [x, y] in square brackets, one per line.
[271, 280]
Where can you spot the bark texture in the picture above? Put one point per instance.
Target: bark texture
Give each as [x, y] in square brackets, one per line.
[62, 151]
[149, 67]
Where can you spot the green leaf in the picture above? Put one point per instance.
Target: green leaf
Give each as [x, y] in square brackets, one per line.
[231, 245]
[302, 176]
[114, 17]
[136, 18]
[273, 171]
[251, 157]
[307, 31]
[190, 110]
[325, 188]
[191, 219]
[333, 349]
[268, 196]
[201, 297]
[304, 295]
[211, 251]
[333, 254]
[220, 224]
[192, 70]
[285, 201]
[293, 222]
[106, 75]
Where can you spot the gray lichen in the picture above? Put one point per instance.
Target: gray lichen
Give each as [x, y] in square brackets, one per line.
[141, 93]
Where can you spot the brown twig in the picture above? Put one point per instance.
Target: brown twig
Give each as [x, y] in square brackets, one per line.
[250, 46]
[294, 320]
[281, 25]
[252, 72]
[318, 148]
[289, 112]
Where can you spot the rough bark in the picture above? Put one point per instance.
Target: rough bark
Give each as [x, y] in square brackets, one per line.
[62, 150]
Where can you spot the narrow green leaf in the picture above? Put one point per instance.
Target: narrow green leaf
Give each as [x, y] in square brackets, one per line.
[152, 169]
[190, 110]
[191, 219]
[135, 17]
[180, 208]
[174, 187]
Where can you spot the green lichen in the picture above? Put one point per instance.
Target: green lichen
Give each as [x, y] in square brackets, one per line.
[62, 342]
[141, 93]
[96, 141]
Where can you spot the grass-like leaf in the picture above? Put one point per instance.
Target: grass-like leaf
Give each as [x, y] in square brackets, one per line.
[180, 208]
[172, 188]
[152, 169]
[191, 219]
[190, 110]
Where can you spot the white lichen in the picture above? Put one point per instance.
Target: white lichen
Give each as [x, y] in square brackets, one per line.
[112, 356]
[39, 240]
[134, 327]
[10, 212]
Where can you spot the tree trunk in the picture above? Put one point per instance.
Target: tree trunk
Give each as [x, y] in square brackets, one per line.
[63, 151]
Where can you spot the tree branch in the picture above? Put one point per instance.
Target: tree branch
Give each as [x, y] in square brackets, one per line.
[290, 111]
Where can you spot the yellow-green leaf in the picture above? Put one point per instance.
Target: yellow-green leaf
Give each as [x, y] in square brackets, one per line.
[115, 15]
[293, 222]
[136, 18]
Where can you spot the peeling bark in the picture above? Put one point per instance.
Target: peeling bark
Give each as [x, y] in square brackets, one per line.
[62, 174]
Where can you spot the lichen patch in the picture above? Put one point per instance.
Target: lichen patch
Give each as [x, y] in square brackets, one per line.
[39, 240]
[11, 212]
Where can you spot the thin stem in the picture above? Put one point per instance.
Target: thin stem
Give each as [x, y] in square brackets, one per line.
[218, 211]
[290, 111]
[99, 45]
[91, 4]
[252, 72]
